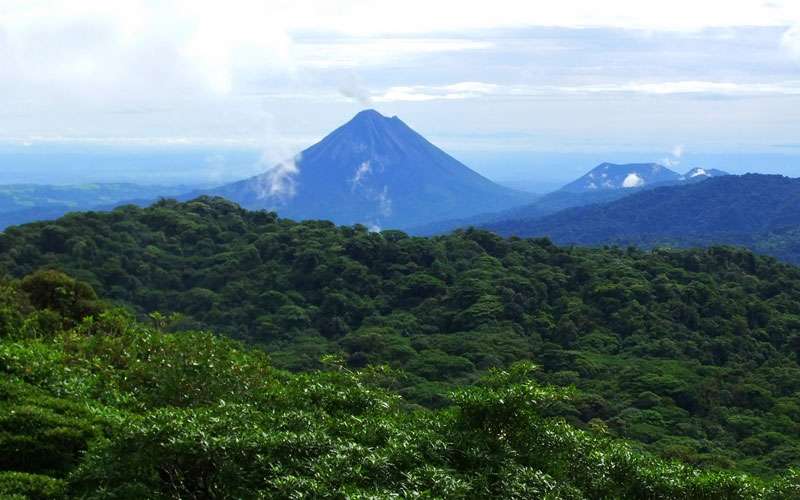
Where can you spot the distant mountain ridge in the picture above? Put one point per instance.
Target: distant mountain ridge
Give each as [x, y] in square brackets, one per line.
[612, 176]
[703, 173]
[754, 210]
[23, 203]
[376, 171]
[608, 176]
[647, 176]
[542, 206]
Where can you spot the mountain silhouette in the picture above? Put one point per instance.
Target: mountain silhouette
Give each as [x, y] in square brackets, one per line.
[754, 210]
[376, 171]
[608, 176]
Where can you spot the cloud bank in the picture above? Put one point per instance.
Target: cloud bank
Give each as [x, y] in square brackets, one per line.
[480, 90]
[181, 71]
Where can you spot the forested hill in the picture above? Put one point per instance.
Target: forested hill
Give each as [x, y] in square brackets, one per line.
[756, 211]
[693, 354]
[96, 405]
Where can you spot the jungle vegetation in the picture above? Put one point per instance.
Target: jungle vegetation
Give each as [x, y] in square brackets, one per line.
[690, 355]
[96, 405]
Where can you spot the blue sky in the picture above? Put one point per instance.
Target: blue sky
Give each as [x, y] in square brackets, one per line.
[659, 79]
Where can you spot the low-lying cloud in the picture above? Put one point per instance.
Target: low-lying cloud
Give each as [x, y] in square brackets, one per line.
[385, 202]
[279, 182]
[361, 173]
[483, 90]
[632, 180]
[353, 89]
[675, 159]
[791, 40]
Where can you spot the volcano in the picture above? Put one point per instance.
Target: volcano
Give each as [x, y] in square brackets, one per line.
[373, 170]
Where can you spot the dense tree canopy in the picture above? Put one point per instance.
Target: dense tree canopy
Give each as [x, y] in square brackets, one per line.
[692, 354]
[112, 408]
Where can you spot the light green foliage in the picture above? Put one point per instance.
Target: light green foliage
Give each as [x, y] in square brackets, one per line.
[198, 416]
[150, 414]
[23, 486]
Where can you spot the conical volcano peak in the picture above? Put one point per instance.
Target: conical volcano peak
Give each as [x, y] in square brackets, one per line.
[374, 170]
[371, 117]
[369, 135]
[369, 114]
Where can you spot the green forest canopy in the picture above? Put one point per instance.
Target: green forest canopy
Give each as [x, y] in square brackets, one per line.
[101, 406]
[691, 354]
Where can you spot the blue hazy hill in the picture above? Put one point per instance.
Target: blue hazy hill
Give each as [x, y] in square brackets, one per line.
[22, 203]
[754, 210]
[609, 176]
[604, 183]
